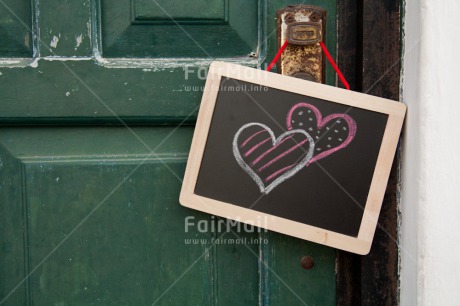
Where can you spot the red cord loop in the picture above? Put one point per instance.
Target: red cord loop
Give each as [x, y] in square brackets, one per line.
[328, 56]
[334, 65]
[277, 56]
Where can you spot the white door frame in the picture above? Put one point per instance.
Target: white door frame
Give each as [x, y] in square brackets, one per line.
[430, 164]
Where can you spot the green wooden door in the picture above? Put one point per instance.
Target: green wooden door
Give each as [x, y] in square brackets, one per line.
[97, 105]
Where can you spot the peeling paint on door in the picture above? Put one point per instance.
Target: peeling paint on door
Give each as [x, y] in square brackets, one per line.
[54, 41]
[79, 40]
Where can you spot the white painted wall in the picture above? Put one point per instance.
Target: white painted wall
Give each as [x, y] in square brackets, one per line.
[430, 194]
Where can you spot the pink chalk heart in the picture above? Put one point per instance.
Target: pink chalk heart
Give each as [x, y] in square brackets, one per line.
[269, 161]
[331, 134]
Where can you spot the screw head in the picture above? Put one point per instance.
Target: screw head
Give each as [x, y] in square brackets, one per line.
[315, 17]
[289, 18]
[307, 262]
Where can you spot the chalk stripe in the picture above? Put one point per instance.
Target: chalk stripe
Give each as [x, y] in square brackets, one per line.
[251, 137]
[282, 155]
[284, 176]
[256, 146]
[269, 150]
[278, 172]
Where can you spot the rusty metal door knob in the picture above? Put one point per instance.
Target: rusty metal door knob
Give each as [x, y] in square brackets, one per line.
[303, 26]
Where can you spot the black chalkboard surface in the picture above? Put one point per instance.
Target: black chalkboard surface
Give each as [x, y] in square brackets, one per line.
[314, 163]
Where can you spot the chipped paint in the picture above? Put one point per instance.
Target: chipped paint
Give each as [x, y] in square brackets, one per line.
[34, 64]
[66, 59]
[67, 94]
[6, 62]
[88, 26]
[15, 63]
[148, 65]
[94, 30]
[35, 30]
[161, 64]
[27, 40]
[78, 40]
[54, 41]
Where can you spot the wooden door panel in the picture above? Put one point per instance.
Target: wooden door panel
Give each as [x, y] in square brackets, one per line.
[70, 82]
[125, 252]
[93, 218]
[65, 28]
[15, 39]
[287, 283]
[181, 11]
[169, 29]
[128, 252]
[13, 264]
[237, 271]
[82, 92]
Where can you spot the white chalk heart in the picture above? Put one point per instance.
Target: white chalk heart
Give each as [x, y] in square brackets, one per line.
[269, 161]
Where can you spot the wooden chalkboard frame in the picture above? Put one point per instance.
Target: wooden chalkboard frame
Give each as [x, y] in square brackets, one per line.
[360, 244]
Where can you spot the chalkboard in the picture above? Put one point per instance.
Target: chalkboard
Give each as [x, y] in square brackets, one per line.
[300, 158]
